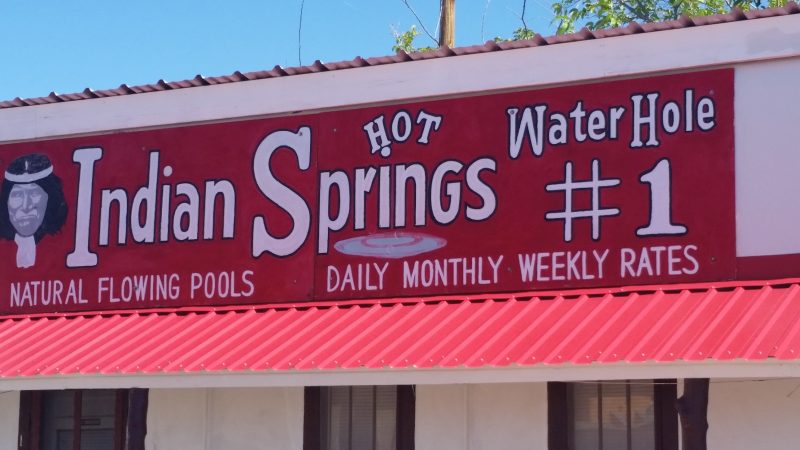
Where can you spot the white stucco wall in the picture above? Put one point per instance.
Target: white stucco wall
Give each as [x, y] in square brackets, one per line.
[231, 419]
[509, 416]
[9, 419]
[754, 414]
[743, 415]
[767, 158]
[441, 417]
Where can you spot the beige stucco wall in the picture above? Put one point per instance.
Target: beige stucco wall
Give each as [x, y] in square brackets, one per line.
[747, 415]
[451, 417]
[231, 419]
[743, 415]
[9, 419]
[441, 417]
[509, 416]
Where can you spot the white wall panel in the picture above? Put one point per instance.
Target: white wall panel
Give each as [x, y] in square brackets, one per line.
[507, 416]
[176, 419]
[482, 417]
[441, 417]
[231, 419]
[9, 419]
[754, 415]
[767, 158]
[264, 419]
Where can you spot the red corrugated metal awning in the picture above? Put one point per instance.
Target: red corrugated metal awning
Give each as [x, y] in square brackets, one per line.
[724, 321]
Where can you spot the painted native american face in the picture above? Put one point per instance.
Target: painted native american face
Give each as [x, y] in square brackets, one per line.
[32, 200]
[27, 204]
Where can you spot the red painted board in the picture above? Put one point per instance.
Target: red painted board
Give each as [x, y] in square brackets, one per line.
[613, 183]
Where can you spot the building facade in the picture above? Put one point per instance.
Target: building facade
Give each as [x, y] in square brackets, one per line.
[536, 244]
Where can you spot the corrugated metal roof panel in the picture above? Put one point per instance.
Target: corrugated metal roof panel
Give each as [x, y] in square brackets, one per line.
[741, 321]
[318, 66]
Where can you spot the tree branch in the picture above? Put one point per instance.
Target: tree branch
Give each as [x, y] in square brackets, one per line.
[420, 22]
[299, 33]
[636, 14]
[522, 17]
[483, 17]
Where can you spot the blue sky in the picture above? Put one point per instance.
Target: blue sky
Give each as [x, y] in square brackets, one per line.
[68, 45]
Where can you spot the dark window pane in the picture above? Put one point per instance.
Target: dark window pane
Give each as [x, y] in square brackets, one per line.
[339, 418]
[57, 420]
[584, 418]
[98, 402]
[643, 431]
[97, 419]
[359, 417]
[362, 418]
[611, 415]
[98, 409]
[615, 416]
[97, 439]
[386, 417]
[64, 440]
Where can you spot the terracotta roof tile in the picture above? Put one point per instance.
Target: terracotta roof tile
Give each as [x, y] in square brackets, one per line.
[400, 57]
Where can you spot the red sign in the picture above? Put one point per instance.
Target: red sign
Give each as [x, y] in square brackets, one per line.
[618, 183]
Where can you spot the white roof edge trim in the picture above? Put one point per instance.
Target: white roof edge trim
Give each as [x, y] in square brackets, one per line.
[582, 61]
[440, 376]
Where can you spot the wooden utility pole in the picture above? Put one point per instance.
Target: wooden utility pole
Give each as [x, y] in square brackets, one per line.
[447, 24]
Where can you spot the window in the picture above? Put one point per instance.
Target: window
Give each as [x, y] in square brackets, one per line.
[90, 419]
[630, 415]
[359, 418]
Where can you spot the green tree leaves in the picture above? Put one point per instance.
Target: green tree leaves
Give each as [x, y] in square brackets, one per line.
[598, 14]
[405, 41]
[568, 15]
